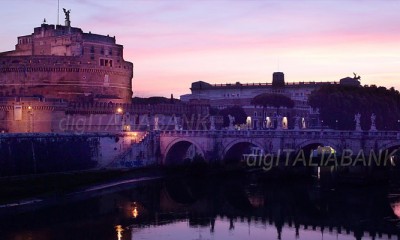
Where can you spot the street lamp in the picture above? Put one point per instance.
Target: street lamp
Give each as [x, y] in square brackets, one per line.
[119, 118]
[30, 120]
[337, 124]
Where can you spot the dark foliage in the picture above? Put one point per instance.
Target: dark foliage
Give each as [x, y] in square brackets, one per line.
[236, 111]
[338, 104]
[154, 100]
[272, 100]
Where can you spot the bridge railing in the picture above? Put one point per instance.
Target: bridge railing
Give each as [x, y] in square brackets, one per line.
[307, 133]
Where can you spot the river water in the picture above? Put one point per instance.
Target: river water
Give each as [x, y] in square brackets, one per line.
[248, 206]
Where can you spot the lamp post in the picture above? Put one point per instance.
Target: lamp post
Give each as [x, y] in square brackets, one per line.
[398, 124]
[119, 118]
[30, 120]
[336, 124]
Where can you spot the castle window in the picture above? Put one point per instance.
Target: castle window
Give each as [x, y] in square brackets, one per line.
[91, 49]
[110, 52]
[102, 51]
[106, 62]
[109, 64]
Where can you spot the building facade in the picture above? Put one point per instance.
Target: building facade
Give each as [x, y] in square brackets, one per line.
[302, 115]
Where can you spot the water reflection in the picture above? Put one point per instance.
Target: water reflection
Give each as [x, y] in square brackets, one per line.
[396, 208]
[237, 207]
[119, 230]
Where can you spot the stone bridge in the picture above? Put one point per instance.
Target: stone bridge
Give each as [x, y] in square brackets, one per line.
[176, 146]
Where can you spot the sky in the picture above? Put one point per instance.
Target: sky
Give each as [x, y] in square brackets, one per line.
[173, 43]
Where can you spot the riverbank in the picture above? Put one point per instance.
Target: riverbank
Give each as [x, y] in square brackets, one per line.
[22, 188]
[25, 192]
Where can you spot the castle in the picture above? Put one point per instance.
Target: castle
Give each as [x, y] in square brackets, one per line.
[61, 79]
[63, 62]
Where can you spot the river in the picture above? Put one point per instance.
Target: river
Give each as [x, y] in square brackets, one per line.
[242, 206]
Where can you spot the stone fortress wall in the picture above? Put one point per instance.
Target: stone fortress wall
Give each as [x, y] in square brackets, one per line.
[63, 62]
[35, 114]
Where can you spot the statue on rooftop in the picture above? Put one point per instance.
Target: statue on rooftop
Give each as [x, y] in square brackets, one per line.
[67, 20]
[356, 77]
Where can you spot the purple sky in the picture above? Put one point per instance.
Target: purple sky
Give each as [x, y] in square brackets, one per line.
[174, 43]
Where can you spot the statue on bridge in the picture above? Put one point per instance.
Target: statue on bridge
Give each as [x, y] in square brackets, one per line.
[357, 118]
[231, 121]
[176, 123]
[212, 123]
[303, 123]
[296, 122]
[156, 123]
[279, 122]
[373, 118]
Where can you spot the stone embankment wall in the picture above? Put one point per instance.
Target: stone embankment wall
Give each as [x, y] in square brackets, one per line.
[24, 154]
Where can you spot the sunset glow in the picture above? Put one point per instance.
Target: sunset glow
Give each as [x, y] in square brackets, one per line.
[174, 43]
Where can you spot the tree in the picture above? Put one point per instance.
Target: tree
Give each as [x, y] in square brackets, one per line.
[338, 104]
[154, 100]
[235, 111]
[272, 100]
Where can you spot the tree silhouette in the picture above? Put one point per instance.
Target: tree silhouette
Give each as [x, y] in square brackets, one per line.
[272, 100]
[338, 104]
[236, 111]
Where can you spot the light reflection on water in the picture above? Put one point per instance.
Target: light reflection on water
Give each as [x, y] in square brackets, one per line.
[236, 207]
[242, 230]
[396, 208]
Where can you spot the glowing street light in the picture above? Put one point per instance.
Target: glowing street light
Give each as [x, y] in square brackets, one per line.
[119, 110]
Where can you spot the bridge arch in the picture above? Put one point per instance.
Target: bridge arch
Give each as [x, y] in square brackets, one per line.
[388, 149]
[178, 150]
[309, 145]
[390, 146]
[234, 150]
